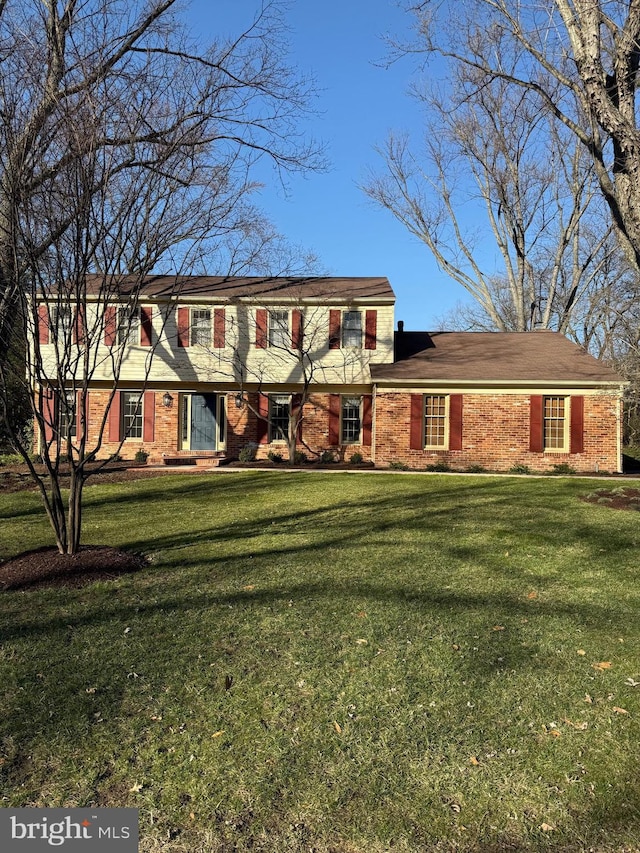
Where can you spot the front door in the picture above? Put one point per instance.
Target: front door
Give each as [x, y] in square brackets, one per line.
[203, 422]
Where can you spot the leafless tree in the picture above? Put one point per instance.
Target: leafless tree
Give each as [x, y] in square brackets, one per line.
[125, 148]
[284, 347]
[131, 67]
[505, 201]
[580, 58]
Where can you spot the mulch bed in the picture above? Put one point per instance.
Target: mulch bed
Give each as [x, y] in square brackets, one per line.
[46, 567]
[620, 498]
[16, 478]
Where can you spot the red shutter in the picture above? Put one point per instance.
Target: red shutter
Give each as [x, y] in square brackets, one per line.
[334, 329]
[416, 430]
[110, 325]
[367, 419]
[219, 328]
[536, 424]
[48, 412]
[296, 329]
[183, 327]
[43, 324]
[296, 405]
[82, 416]
[261, 328]
[577, 425]
[263, 415]
[115, 424]
[455, 422]
[334, 419]
[370, 329]
[80, 325]
[148, 416]
[146, 326]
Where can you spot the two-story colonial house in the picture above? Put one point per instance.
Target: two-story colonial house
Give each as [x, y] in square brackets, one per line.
[208, 365]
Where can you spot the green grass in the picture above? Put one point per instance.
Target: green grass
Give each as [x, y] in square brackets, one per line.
[335, 662]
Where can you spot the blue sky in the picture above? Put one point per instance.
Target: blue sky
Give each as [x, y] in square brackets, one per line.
[339, 42]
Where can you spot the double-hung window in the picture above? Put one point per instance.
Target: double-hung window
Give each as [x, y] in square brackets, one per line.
[279, 329]
[350, 420]
[132, 421]
[435, 420]
[128, 325]
[352, 329]
[67, 414]
[62, 317]
[279, 415]
[555, 423]
[201, 327]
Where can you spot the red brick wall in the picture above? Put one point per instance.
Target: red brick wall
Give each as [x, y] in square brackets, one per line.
[495, 434]
[242, 428]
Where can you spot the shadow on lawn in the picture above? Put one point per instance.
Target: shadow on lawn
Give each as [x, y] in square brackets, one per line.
[393, 521]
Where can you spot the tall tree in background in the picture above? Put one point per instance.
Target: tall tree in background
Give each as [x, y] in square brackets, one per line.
[493, 154]
[125, 148]
[579, 57]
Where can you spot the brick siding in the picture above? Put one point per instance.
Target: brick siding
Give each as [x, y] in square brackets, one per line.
[495, 435]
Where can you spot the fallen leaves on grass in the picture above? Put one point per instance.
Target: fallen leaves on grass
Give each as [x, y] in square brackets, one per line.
[602, 665]
[337, 727]
[578, 726]
[619, 710]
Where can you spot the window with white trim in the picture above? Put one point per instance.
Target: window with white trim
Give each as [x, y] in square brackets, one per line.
[200, 327]
[350, 420]
[128, 325]
[555, 424]
[132, 421]
[279, 329]
[67, 414]
[62, 321]
[279, 415]
[352, 329]
[435, 420]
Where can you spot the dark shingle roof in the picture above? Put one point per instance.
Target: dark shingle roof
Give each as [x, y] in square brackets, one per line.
[501, 357]
[340, 290]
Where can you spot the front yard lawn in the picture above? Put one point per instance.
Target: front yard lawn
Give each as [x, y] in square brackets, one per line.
[335, 662]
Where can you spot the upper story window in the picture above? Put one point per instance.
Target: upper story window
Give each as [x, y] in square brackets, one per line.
[128, 324]
[352, 329]
[346, 329]
[62, 321]
[279, 329]
[201, 327]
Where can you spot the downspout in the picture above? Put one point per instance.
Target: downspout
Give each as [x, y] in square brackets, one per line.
[374, 429]
[619, 427]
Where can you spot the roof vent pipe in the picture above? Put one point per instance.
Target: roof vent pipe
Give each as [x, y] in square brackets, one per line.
[400, 326]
